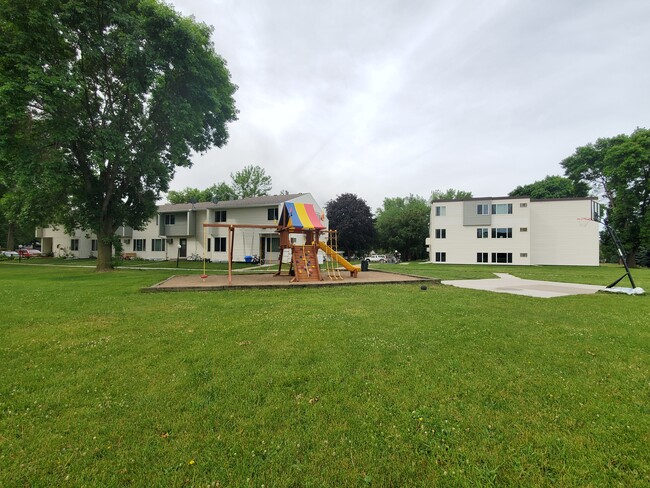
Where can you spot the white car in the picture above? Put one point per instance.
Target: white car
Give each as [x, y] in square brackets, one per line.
[10, 254]
[377, 258]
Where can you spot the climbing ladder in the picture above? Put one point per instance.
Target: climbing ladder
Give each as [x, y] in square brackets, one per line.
[305, 263]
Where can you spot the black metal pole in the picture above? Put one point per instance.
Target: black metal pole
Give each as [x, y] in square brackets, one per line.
[621, 253]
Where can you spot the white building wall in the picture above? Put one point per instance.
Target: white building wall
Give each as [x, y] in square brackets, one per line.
[558, 237]
[543, 232]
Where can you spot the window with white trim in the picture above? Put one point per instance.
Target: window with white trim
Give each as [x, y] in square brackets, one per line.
[502, 257]
[441, 211]
[502, 233]
[140, 245]
[481, 257]
[220, 216]
[482, 209]
[158, 245]
[441, 257]
[501, 208]
[93, 245]
[482, 233]
[220, 244]
[74, 244]
[170, 219]
[441, 233]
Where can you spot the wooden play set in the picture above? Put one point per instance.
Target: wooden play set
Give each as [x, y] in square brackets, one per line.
[297, 218]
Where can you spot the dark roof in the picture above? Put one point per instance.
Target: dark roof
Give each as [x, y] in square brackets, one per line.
[265, 201]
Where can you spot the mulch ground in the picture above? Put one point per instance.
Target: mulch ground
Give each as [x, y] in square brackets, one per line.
[220, 282]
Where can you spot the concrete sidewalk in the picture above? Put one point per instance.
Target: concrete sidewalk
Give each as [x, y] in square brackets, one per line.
[506, 283]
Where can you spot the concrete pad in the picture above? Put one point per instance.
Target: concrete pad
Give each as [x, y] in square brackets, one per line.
[506, 283]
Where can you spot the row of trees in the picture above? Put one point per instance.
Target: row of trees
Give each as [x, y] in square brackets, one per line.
[252, 181]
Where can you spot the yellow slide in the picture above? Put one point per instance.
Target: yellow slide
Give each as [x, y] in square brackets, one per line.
[339, 259]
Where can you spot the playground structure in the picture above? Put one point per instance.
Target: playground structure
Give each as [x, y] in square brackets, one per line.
[296, 218]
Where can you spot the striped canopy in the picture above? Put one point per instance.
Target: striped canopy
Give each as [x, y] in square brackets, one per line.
[300, 216]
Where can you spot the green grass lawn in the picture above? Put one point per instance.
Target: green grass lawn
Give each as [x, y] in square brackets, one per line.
[379, 385]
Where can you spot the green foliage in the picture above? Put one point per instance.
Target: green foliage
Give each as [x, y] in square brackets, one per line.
[252, 181]
[552, 187]
[387, 384]
[619, 169]
[403, 225]
[450, 194]
[351, 217]
[108, 97]
[217, 192]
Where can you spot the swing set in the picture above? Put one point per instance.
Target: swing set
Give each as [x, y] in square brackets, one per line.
[296, 218]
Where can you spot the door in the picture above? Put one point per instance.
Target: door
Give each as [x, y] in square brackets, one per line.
[182, 251]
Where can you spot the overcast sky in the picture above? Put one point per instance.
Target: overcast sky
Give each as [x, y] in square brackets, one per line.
[388, 98]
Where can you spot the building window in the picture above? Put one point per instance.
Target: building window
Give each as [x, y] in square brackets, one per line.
[170, 219]
[93, 245]
[74, 244]
[481, 257]
[220, 216]
[482, 233]
[272, 214]
[501, 208]
[140, 245]
[502, 257]
[502, 233]
[523, 254]
[483, 209]
[441, 233]
[209, 244]
[441, 257]
[523, 205]
[272, 244]
[158, 245]
[441, 211]
[523, 229]
[220, 244]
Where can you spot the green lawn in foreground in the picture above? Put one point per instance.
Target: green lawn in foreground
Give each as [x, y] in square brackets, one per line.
[384, 385]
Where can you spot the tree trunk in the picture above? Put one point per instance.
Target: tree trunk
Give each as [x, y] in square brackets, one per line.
[631, 259]
[11, 229]
[105, 247]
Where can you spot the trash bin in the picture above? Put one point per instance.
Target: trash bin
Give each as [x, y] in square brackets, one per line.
[248, 259]
[364, 265]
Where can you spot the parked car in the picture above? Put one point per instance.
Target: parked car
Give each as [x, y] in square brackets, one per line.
[377, 258]
[10, 254]
[28, 253]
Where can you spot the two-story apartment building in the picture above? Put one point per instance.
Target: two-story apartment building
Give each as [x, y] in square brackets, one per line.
[514, 230]
[177, 231]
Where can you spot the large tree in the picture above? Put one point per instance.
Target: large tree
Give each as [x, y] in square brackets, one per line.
[618, 168]
[403, 225]
[252, 181]
[117, 94]
[351, 217]
[552, 187]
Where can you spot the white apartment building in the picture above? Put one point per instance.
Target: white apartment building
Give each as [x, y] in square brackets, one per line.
[177, 231]
[514, 230]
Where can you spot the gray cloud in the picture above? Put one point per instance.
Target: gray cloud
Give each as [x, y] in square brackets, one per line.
[388, 98]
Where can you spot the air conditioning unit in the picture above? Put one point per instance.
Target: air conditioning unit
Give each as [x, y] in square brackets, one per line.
[170, 241]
